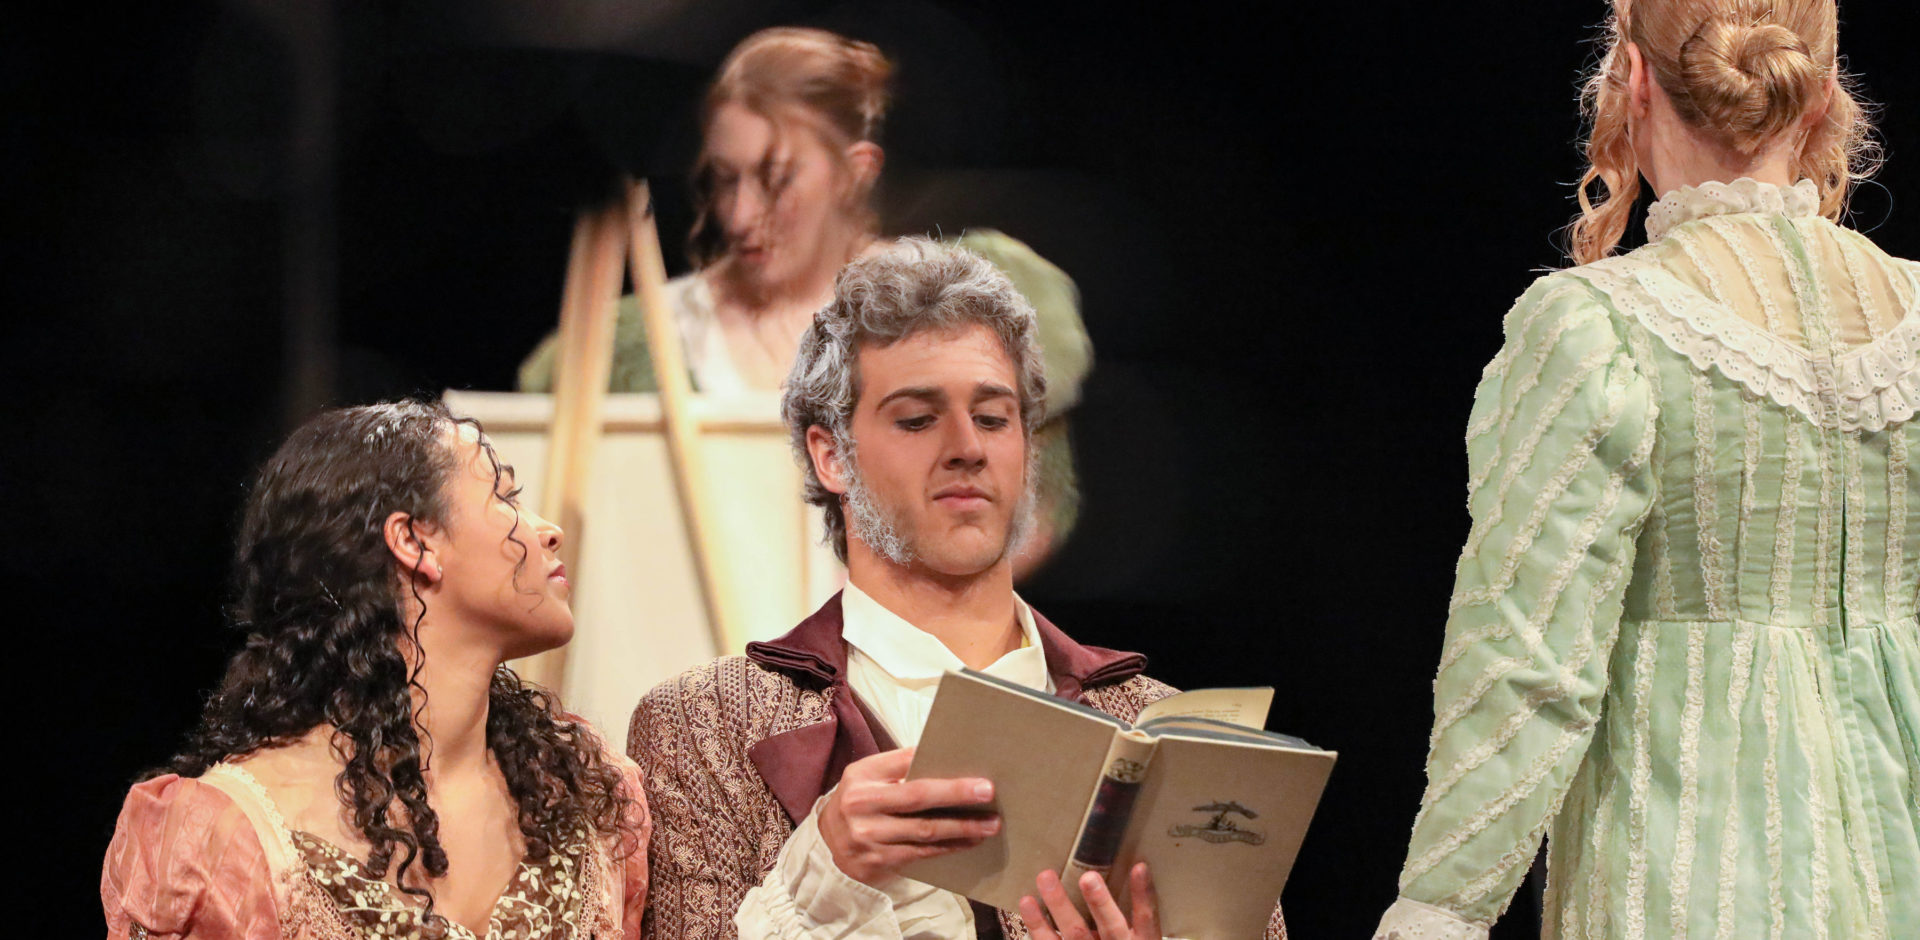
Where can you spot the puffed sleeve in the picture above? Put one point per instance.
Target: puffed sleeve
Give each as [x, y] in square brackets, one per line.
[633, 862]
[185, 861]
[1064, 344]
[1067, 353]
[1559, 486]
[632, 360]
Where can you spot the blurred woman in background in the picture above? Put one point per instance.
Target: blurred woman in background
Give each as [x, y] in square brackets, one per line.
[1682, 641]
[369, 767]
[783, 194]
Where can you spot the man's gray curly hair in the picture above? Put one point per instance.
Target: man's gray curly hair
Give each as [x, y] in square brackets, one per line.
[914, 286]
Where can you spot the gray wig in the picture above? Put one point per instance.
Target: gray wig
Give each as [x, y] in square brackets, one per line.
[914, 286]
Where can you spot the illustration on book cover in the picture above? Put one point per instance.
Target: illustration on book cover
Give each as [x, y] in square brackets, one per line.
[1220, 829]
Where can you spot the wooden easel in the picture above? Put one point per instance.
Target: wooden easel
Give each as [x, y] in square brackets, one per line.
[589, 307]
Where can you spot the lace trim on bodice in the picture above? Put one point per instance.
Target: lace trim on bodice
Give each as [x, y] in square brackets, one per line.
[1866, 388]
[1689, 203]
[559, 897]
[543, 901]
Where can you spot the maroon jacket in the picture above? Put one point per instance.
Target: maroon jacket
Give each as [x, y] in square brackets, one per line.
[736, 752]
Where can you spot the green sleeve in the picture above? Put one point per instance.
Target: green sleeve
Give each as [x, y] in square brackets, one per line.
[1559, 486]
[1064, 345]
[632, 363]
[1065, 350]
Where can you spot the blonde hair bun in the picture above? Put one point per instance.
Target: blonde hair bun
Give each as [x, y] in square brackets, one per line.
[1742, 73]
[1747, 80]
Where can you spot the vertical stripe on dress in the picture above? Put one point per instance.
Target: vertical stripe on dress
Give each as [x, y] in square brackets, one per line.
[1823, 537]
[1898, 486]
[1684, 845]
[1598, 873]
[1787, 525]
[1802, 302]
[1751, 443]
[1706, 502]
[1823, 547]
[1645, 660]
[1818, 800]
[1770, 771]
[1854, 562]
[1745, 638]
[1640, 343]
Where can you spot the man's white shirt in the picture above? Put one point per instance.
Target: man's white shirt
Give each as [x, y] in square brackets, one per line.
[895, 669]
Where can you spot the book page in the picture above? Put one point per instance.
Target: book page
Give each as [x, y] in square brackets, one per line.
[1044, 757]
[1220, 824]
[1244, 707]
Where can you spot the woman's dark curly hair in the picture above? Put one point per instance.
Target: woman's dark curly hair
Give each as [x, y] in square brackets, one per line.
[318, 594]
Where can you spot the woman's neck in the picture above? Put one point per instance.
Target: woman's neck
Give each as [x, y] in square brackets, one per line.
[450, 704]
[1676, 158]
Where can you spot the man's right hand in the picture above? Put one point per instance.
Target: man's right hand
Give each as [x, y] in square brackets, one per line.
[869, 824]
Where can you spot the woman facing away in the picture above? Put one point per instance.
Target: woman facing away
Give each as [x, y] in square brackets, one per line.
[783, 193]
[369, 767]
[1682, 643]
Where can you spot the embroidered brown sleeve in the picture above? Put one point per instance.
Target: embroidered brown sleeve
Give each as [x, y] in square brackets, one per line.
[716, 826]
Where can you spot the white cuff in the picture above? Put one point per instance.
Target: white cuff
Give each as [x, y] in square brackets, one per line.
[807, 897]
[1408, 919]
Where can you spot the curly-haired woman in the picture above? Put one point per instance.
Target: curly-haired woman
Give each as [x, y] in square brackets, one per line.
[368, 767]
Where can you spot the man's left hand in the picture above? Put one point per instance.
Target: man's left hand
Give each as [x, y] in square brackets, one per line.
[1060, 920]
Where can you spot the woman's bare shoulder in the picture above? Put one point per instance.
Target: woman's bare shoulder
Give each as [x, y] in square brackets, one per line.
[299, 778]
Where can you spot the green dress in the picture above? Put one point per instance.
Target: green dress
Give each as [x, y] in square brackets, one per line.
[1682, 641]
[1065, 349]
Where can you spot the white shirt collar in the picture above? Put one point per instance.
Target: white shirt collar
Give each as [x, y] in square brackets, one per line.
[895, 666]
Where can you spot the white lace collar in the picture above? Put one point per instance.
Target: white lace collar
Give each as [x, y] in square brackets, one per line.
[1742, 195]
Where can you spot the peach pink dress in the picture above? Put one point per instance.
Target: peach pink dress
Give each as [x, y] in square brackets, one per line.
[210, 858]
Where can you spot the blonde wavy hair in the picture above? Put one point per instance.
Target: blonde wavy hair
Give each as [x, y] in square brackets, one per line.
[1741, 73]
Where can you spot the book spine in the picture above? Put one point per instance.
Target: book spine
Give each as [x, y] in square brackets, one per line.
[1109, 812]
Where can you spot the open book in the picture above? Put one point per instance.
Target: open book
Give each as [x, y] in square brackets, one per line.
[1215, 806]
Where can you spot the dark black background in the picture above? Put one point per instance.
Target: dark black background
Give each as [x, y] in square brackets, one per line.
[1295, 238]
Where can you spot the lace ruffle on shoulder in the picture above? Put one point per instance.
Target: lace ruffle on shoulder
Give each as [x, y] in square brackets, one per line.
[1866, 388]
[1689, 203]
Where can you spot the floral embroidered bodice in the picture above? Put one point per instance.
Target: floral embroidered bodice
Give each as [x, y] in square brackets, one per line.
[552, 898]
[1683, 641]
[542, 900]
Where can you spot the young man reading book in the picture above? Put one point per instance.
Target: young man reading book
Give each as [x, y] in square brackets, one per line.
[776, 779]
